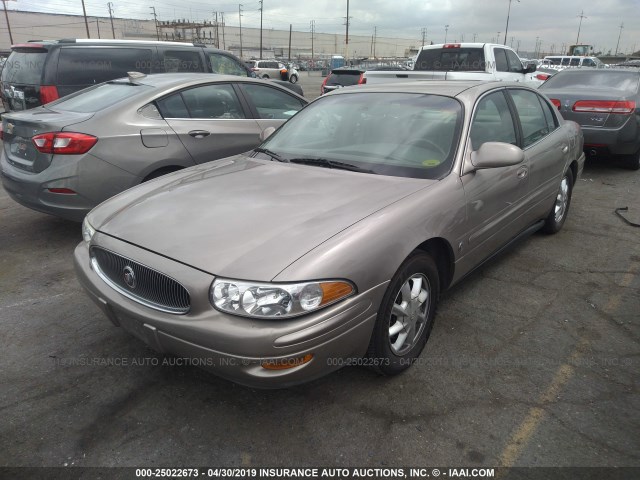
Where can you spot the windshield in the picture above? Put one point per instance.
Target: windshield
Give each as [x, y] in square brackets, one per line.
[609, 79]
[96, 98]
[397, 134]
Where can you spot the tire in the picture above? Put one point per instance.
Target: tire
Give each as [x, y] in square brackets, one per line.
[265, 76]
[389, 352]
[558, 214]
[632, 162]
[293, 79]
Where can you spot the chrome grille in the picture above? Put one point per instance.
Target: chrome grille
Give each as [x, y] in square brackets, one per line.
[140, 283]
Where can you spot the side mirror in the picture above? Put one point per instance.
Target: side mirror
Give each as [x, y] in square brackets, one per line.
[266, 133]
[530, 67]
[496, 155]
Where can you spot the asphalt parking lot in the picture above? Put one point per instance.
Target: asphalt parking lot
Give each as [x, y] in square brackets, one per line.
[533, 361]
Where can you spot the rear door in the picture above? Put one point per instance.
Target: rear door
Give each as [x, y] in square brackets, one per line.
[211, 121]
[270, 106]
[22, 77]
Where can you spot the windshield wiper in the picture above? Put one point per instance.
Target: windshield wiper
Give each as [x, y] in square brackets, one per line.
[273, 155]
[323, 162]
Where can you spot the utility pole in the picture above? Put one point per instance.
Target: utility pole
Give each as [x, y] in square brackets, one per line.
[240, 18]
[98, 27]
[375, 39]
[506, 29]
[446, 30]
[155, 17]
[498, 38]
[580, 26]
[346, 38]
[261, 8]
[84, 12]
[424, 35]
[110, 6]
[619, 35]
[290, 32]
[475, 35]
[217, 31]
[222, 20]
[6, 15]
[313, 29]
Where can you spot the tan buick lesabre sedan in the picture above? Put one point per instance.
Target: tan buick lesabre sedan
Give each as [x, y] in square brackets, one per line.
[330, 243]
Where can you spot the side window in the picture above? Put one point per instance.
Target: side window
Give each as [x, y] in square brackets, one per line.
[492, 121]
[575, 62]
[272, 103]
[173, 107]
[565, 61]
[213, 101]
[181, 61]
[587, 62]
[548, 115]
[88, 66]
[532, 117]
[501, 60]
[515, 64]
[226, 65]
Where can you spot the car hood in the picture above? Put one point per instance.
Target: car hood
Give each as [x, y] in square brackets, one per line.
[246, 218]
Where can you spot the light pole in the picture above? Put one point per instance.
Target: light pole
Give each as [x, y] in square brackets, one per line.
[580, 26]
[498, 38]
[446, 30]
[619, 35]
[506, 29]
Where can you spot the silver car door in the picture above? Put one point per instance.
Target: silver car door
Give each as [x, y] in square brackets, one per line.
[210, 121]
[546, 145]
[494, 196]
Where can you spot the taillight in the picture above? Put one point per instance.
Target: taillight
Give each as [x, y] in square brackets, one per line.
[62, 191]
[48, 93]
[452, 45]
[556, 102]
[605, 106]
[64, 143]
[542, 76]
[324, 82]
[362, 80]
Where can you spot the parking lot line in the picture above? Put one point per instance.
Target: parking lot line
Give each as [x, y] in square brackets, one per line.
[520, 439]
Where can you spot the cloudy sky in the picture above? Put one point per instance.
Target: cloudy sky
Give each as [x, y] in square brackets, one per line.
[553, 22]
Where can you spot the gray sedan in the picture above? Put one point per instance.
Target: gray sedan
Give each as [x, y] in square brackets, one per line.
[606, 103]
[330, 243]
[68, 156]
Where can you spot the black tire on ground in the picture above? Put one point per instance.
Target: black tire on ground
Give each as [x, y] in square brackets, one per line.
[265, 76]
[408, 310]
[558, 214]
[293, 79]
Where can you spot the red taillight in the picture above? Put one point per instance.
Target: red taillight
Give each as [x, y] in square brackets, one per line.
[556, 102]
[362, 80]
[64, 143]
[48, 93]
[452, 45]
[62, 191]
[605, 106]
[542, 76]
[324, 82]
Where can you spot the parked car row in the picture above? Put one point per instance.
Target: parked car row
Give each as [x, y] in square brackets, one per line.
[278, 262]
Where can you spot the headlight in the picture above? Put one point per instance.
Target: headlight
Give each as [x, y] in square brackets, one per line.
[87, 230]
[270, 300]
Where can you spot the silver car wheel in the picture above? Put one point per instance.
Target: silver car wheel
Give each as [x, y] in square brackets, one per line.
[562, 199]
[409, 314]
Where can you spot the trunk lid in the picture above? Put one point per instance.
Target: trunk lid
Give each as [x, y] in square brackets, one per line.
[20, 127]
[568, 99]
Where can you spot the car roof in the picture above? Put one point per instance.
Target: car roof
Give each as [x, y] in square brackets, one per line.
[449, 88]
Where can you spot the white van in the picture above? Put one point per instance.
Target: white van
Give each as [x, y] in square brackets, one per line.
[563, 61]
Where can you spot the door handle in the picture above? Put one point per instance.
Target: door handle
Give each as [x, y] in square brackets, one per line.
[522, 172]
[199, 133]
[565, 149]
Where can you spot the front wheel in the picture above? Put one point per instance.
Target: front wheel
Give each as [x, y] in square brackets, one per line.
[558, 214]
[406, 315]
[293, 79]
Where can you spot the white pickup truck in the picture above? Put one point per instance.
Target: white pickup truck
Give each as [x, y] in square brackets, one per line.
[461, 61]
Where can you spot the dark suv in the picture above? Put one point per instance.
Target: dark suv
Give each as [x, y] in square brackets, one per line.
[342, 77]
[39, 72]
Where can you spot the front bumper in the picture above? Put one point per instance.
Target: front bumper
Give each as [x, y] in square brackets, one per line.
[229, 346]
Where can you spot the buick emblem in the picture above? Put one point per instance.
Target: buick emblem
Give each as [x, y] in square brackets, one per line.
[129, 277]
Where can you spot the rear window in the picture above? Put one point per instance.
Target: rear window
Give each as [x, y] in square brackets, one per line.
[24, 67]
[344, 78]
[446, 59]
[624, 81]
[100, 97]
[88, 66]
